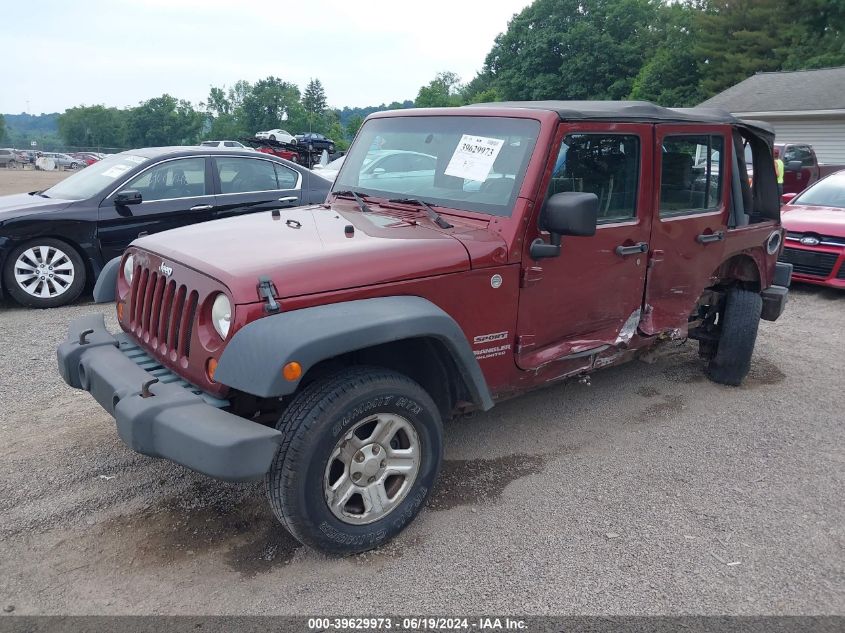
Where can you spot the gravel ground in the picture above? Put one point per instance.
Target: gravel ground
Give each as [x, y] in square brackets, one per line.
[653, 491]
[23, 180]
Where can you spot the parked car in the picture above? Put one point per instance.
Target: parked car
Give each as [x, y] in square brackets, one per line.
[226, 145]
[318, 142]
[322, 354]
[282, 136]
[86, 157]
[815, 232]
[801, 166]
[8, 158]
[53, 242]
[64, 160]
[329, 170]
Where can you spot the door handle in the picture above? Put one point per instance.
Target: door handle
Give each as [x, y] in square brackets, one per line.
[288, 199]
[202, 207]
[636, 249]
[706, 238]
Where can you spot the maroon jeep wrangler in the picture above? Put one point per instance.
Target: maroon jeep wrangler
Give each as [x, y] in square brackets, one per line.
[464, 256]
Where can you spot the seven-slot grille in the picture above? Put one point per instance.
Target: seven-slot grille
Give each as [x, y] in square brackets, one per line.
[813, 263]
[161, 313]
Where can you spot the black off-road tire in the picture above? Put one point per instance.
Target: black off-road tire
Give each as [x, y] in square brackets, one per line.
[312, 426]
[740, 321]
[11, 286]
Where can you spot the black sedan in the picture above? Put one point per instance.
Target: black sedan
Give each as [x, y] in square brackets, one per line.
[316, 142]
[54, 243]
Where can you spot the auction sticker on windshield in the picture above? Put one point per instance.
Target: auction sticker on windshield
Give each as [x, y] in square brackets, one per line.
[474, 157]
[114, 172]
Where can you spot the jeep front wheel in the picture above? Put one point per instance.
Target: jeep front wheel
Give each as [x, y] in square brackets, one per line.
[360, 453]
[731, 360]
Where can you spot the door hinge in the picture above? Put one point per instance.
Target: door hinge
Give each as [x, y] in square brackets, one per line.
[523, 342]
[530, 276]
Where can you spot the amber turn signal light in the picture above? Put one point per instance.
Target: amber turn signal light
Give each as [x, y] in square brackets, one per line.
[120, 311]
[292, 371]
[210, 368]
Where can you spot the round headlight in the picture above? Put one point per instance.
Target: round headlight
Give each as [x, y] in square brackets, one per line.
[221, 315]
[129, 269]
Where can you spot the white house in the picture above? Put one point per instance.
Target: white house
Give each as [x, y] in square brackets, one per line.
[804, 106]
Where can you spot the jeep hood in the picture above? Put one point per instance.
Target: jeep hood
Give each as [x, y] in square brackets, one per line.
[23, 204]
[308, 250]
[813, 219]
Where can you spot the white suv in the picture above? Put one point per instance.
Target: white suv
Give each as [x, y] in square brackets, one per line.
[225, 145]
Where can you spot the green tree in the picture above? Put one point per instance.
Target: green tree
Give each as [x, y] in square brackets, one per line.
[162, 121]
[2, 127]
[93, 126]
[314, 102]
[442, 91]
[672, 74]
[268, 103]
[223, 113]
[353, 125]
[815, 34]
[573, 49]
[737, 38]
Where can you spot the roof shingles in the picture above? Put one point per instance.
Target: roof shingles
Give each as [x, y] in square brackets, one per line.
[800, 90]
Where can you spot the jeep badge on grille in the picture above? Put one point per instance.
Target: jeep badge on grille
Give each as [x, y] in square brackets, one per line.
[165, 270]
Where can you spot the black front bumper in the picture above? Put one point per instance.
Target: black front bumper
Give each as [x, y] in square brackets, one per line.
[172, 422]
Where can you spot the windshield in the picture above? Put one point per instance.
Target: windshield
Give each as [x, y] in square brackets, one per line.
[829, 192]
[94, 178]
[472, 163]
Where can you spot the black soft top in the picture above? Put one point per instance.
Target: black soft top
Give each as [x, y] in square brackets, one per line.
[631, 111]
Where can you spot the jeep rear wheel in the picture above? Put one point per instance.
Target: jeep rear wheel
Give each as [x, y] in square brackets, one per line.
[732, 358]
[360, 453]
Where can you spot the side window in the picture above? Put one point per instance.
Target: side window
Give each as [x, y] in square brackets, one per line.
[182, 178]
[607, 165]
[287, 177]
[231, 144]
[244, 175]
[691, 174]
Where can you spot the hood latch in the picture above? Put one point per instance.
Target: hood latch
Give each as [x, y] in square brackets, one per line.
[266, 290]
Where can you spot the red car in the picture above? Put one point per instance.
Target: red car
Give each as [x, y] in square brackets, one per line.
[815, 232]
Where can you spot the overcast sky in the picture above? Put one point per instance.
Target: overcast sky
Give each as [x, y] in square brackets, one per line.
[58, 54]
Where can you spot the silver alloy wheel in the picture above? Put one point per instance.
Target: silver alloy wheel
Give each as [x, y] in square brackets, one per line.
[44, 271]
[372, 468]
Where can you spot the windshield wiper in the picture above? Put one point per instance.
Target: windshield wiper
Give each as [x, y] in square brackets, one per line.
[431, 213]
[361, 204]
[38, 193]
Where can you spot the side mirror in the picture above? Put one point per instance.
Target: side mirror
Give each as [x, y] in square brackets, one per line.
[567, 213]
[787, 198]
[793, 165]
[127, 197]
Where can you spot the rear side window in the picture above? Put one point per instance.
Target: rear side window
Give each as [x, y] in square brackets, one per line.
[607, 165]
[691, 174]
[209, 143]
[287, 177]
[799, 152]
[243, 175]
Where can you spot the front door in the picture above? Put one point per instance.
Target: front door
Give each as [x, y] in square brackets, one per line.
[174, 193]
[247, 185]
[687, 236]
[590, 295]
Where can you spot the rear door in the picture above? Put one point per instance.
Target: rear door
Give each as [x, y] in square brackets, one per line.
[175, 192]
[247, 185]
[590, 295]
[688, 232]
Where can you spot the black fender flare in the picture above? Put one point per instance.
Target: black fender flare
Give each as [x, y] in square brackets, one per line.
[252, 361]
[105, 289]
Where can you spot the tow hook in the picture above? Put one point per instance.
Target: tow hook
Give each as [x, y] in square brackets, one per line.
[83, 336]
[145, 388]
